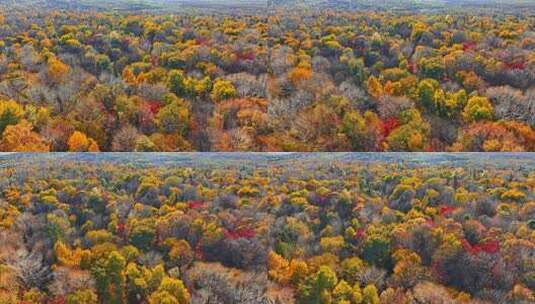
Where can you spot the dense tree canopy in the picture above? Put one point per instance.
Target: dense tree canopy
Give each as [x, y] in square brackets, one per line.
[294, 229]
[294, 80]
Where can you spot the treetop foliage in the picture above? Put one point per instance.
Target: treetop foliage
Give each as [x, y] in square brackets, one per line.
[305, 228]
[333, 79]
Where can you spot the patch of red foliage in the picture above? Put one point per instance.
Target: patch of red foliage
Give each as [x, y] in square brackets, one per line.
[201, 41]
[121, 230]
[444, 210]
[155, 60]
[412, 67]
[245, 55]
[154, 106]
[468, 46]
[389, 125]
[148, 110]
[359, 234]
[488, 247]
[196, 204]
[516, 65]
[240, 233]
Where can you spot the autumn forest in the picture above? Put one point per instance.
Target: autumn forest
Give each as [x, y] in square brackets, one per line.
[269, 79]
[149, 112]
[267, 228]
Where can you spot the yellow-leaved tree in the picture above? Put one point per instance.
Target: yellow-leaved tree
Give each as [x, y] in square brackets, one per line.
[79, 142]
[22, 138]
